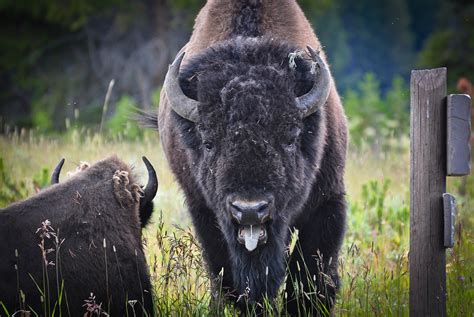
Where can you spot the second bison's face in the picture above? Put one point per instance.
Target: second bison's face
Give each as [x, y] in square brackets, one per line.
[250, 115]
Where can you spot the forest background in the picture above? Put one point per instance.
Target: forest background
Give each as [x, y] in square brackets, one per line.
[58, 58]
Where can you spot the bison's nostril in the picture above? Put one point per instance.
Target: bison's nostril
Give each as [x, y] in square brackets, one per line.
[236, 215]
[249, 212]
[243, 205]
[235, 205]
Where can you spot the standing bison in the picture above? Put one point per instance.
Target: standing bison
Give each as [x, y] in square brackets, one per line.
[76, 246]
[254, 130]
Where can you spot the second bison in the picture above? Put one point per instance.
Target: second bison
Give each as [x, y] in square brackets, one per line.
[76, 246]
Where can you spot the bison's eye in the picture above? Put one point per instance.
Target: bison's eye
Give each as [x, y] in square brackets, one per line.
[291, 146]
[208, 145]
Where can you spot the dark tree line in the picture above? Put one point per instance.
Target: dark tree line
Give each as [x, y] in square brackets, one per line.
[61, 56]
[58, 57]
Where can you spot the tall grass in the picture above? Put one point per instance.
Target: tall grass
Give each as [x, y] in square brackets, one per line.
[373, 260]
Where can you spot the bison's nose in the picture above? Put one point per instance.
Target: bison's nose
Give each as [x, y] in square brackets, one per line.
[252, 212]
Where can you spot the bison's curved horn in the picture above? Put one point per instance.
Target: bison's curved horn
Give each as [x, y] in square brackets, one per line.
[317, 96]
[183, 105]
[152, 186]
[56, 172]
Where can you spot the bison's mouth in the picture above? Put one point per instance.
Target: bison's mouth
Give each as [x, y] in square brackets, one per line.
[252, 235]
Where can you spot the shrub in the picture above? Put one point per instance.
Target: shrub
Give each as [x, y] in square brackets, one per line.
[10, 189]
[121, 124]
[374, 118]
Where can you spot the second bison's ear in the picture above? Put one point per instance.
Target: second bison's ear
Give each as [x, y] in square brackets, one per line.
[146, 211]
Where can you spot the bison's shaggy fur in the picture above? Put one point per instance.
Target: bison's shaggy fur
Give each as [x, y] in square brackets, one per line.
[251, 140]
[95, 217]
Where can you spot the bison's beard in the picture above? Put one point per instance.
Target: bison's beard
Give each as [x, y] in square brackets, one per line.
[259, 273]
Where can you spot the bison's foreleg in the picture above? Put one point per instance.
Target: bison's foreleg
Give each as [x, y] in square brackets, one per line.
[215, 251]
[313, 280]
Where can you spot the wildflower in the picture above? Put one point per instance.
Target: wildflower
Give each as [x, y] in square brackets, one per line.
[92, 308]
[45, 230]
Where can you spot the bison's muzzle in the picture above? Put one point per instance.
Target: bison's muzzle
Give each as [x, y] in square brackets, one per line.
[251, 216]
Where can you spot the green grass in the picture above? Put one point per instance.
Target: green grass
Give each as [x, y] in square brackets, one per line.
[374, 257]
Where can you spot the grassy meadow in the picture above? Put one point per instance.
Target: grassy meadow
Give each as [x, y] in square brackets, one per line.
[374, 257]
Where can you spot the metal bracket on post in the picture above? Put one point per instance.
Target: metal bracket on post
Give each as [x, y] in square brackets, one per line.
[449, 203]
[458, 151]
[458, 147]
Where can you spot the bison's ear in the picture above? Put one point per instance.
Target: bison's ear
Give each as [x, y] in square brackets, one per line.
[146, 211]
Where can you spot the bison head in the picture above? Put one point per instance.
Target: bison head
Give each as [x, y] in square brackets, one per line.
[250, 116]
[149, 191]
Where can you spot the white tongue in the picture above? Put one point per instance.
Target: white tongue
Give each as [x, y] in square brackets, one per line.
[251, 234]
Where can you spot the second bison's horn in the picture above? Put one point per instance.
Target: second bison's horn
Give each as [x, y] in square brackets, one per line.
[152, 186]
[56, 172]
[317, 96]
[181, 104]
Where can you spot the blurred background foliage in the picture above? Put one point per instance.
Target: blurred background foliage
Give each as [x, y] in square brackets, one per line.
[58, 57]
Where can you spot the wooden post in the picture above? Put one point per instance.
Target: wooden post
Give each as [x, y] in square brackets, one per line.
[427, 257]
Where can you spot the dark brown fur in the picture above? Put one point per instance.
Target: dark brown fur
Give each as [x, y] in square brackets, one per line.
[96, 212]
[319, 212]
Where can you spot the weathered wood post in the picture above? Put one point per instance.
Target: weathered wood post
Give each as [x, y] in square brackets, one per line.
[427, 259]
[440, 146]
